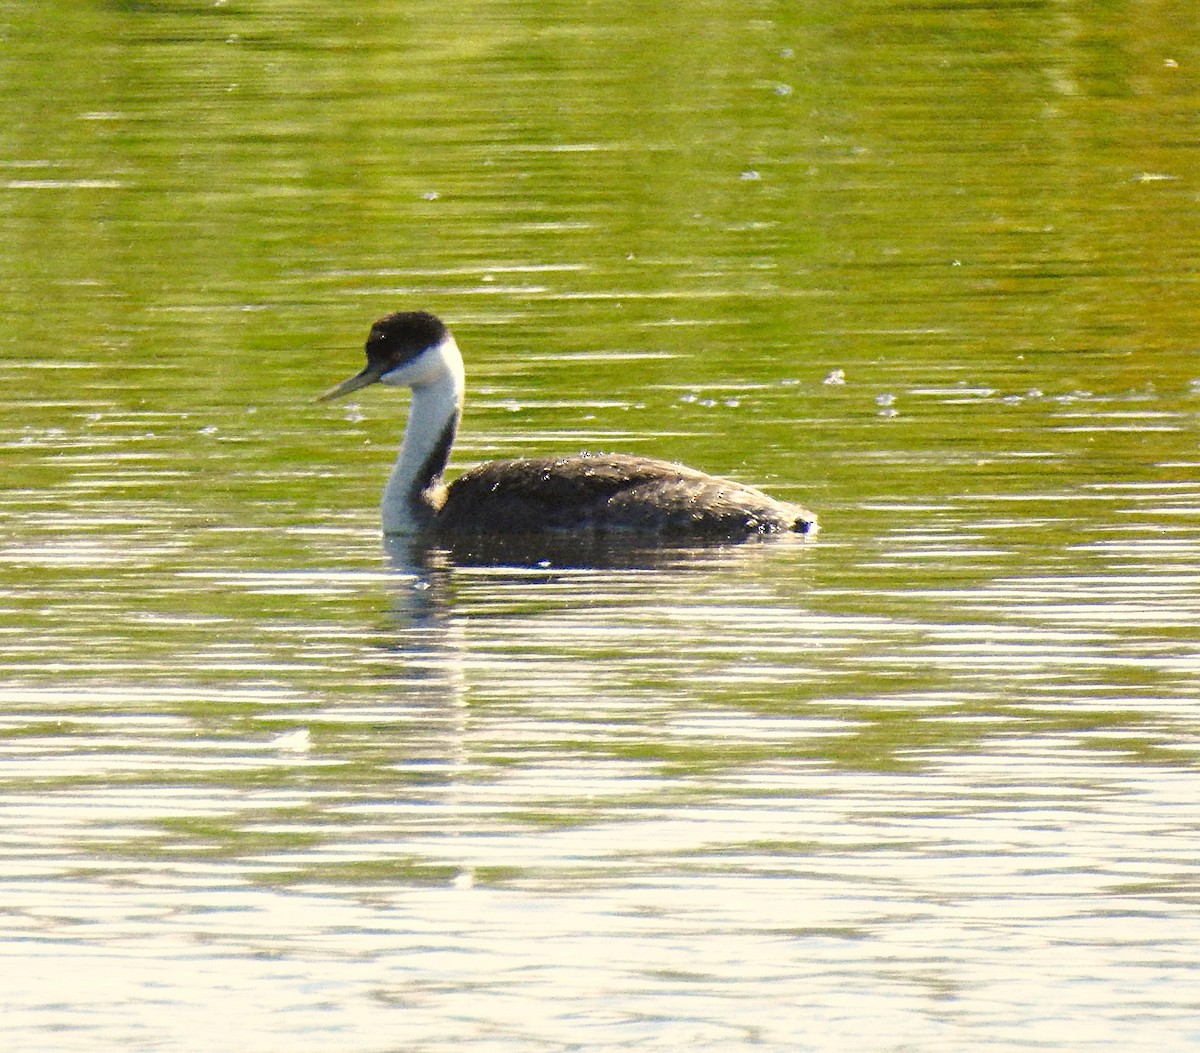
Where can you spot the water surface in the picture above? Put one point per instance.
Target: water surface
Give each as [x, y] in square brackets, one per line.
[927, 782]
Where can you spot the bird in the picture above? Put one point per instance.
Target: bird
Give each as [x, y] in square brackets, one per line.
[608, 494]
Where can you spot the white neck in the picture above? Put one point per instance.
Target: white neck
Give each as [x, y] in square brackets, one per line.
[410, 498]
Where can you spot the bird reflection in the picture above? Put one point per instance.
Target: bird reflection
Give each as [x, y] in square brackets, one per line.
[477, 612]
[431, 559]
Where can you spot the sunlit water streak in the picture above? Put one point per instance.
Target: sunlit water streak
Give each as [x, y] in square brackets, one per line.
[520, 751]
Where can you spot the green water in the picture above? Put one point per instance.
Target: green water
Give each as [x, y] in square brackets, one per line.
[926, 783]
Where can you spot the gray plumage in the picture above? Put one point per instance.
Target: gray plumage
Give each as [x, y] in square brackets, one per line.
[609, 492]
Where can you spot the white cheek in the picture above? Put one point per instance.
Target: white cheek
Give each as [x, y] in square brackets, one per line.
[427, 368]
[398, 378]
[414, 371]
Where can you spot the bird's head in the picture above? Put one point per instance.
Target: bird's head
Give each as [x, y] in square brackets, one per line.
[405, 349]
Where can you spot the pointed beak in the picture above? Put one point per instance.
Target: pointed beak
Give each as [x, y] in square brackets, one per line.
[370, 375]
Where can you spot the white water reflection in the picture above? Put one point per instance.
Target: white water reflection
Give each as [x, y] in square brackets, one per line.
[756, 908]
[676, 802]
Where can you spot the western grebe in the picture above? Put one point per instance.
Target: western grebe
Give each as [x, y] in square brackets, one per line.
[592, 492]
